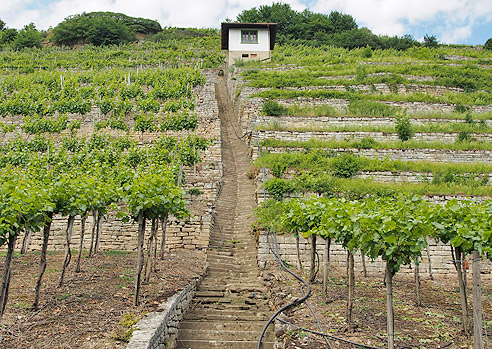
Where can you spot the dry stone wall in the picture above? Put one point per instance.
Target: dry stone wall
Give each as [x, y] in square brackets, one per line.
[159, 329]
[436, 155]
[249, 108]
[441, 260]
[303, 136]
[378, 176]
[340, 121]
[205, 176]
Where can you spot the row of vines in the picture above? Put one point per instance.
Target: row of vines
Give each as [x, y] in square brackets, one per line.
[48, 168]
[397, 230]
[80, 178]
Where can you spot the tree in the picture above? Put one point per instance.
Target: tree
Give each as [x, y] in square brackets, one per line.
[404, 128]
[341, 22]
[102, 28]
[7, 36]
[488, 44]
[108, 31]
[28, 36]
[2, 25]
[299, 27]
[430, 41]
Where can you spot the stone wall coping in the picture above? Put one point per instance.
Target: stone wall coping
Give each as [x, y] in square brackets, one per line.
[154, 326]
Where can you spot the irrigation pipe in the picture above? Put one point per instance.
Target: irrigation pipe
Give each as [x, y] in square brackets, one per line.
[277, 253]
[285, 307]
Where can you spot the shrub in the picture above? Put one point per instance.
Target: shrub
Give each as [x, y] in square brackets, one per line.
[430, 41]
[365, 143]
[278, 188]
[404, 128]
[278, 169]
[345, 165]
[464, 136]
[461, 108]
[124, 332]
[194, 192]
[367, 52]
[273, 108]
[488, 44]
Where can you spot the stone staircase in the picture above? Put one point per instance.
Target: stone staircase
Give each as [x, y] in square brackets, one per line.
[230, 307]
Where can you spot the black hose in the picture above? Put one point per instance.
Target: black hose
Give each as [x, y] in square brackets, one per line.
[285, 307]
[328, 335]
[277, 253]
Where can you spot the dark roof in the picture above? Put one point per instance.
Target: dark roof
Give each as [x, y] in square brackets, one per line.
[226, 26]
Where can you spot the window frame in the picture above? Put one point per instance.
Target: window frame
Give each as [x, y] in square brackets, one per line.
[249, 31]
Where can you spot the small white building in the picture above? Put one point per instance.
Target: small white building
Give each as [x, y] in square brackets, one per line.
[248, 41]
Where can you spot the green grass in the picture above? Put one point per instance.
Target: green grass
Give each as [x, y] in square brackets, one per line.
[319, 160]
[362, 144]
[375, 109]
[441, 127]
[362, 188]
[472, 98]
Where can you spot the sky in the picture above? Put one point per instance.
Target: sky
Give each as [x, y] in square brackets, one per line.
[451, 21]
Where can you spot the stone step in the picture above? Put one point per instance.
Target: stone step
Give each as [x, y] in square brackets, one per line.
[234, 263]
[233, 287]
[225, 272]
[228, 306]
[231, 298]
[225, 315]
[223, 325]
[236, 334]
[209, 293]
[199, 344]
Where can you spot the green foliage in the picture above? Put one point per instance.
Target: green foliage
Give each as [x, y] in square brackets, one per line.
[317, 29]
[460, 108]
[173, 33]
[154, 195]
[127, 326]
[464, 224]
[273, 108]
[345, 165]
[102, 28]
[37, 125]
[145, 123]
[370, 108]
[7, 36]
[404, 128]
[278, 188]
[27, 37]
[183, 120]
[365, 143]
[104, 31]
[488, 44]
[194, 192]
[430, 41]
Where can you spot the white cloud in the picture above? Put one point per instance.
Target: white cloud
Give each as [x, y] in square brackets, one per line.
[456, 34]
[186, 13]
[455, 22]
[395, 17]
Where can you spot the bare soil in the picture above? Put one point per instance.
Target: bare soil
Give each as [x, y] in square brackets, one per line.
[86, 312]
[436, 324]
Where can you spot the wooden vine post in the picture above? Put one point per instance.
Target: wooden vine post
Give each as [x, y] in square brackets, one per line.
[477, 303]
